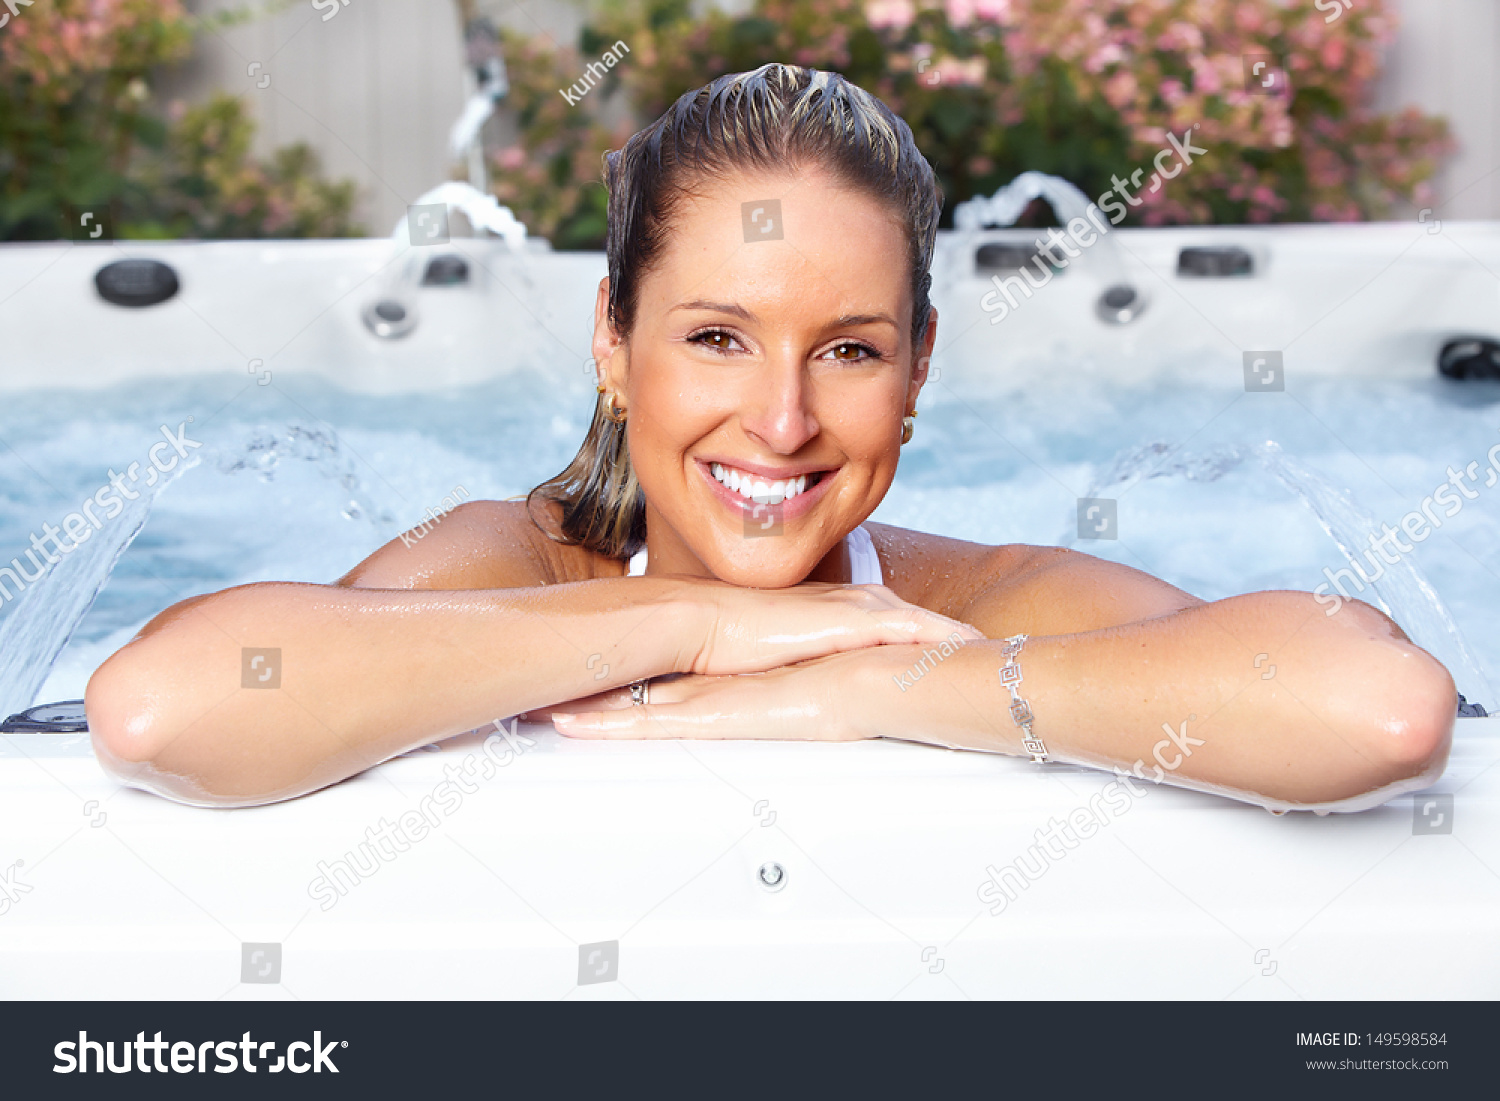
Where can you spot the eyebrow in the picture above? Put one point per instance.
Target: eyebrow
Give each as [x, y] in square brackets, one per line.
[743, 314]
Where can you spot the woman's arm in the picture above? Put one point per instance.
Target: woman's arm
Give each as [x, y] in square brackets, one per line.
[364, 673]
[360, 675]
[1262, 696]
[1293, 706]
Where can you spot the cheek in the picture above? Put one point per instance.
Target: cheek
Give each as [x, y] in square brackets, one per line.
[675, 413]
[867, 424]
[671, 413]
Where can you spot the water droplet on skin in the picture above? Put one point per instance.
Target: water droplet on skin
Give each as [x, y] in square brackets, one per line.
[1277, 813]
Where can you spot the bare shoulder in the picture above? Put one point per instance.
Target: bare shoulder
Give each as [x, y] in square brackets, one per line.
[479, 545]
[1019, 588]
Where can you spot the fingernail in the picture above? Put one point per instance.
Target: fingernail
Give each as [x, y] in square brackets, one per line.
[563, 717]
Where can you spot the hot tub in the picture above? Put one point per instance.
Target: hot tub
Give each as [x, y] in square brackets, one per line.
[588, 869]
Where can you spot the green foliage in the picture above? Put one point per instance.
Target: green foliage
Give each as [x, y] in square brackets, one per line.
[205, 183]
[1084, 89]
[552, 179]
[77, 133]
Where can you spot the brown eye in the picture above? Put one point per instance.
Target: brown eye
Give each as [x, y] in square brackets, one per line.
[850, 352]
[717, 339]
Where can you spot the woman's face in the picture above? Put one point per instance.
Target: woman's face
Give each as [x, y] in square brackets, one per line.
[766, 377]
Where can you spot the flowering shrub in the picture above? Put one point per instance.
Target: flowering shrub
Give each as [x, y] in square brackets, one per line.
[204, 183]
[552, 178]
[77, 131]
[1085, 89]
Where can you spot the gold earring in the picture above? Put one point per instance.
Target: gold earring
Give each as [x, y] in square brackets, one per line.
[617, 415]
[908, 427]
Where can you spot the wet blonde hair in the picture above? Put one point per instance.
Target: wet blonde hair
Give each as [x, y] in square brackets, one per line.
[774, 118]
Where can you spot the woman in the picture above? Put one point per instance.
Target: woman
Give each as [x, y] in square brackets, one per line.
[702, 570]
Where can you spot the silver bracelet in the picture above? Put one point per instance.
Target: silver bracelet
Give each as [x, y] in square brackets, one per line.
[1020, 710]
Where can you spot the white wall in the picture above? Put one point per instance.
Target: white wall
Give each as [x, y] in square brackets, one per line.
[375, 88]
[1446, 60]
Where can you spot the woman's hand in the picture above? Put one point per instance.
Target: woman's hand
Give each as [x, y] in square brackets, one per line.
[756, 630]
[810, 701]
[753, 631]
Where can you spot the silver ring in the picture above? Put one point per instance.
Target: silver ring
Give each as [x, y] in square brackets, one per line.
[640, 692]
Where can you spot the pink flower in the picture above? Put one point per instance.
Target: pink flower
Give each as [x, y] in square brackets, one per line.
[895, 15]
[952, 71]
[1120, 89]
[960, 12]
[1107, 54]
[1205, 76]
[992, 11]
[1180, 36]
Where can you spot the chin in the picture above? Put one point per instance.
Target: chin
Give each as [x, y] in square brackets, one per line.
[765, 569]
[753, 579]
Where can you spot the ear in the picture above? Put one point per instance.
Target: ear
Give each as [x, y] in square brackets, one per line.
[610, 355]
[921, 369]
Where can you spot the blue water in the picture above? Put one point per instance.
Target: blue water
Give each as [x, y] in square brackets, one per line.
[299, 480]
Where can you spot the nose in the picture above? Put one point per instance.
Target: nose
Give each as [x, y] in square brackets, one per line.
[777, 409]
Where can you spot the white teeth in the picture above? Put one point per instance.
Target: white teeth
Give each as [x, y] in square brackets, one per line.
[757, 489]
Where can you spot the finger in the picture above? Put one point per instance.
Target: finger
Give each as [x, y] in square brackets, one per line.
[914, 623]
[600, 701]
[634, 724]
[939, 628]
[665, 722]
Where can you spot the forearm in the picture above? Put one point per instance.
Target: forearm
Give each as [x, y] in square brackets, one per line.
[364, 674]
[1261, 696]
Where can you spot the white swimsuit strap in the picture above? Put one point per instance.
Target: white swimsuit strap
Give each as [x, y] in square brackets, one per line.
[864, 563]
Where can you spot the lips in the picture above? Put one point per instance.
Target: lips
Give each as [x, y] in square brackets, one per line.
[765, 491]
[743, 490]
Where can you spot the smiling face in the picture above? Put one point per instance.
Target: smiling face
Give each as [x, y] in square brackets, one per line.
[766, 380]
